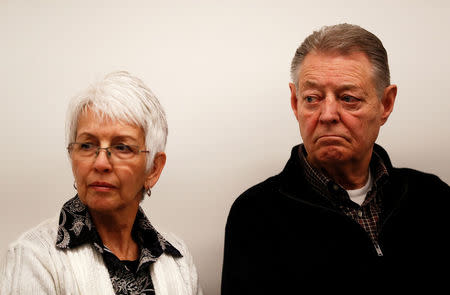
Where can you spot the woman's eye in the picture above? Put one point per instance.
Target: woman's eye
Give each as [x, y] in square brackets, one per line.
[123, 148]
[87, 146]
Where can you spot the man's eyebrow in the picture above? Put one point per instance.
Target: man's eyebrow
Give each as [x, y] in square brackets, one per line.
[352, 87]
[348, 87]
[309, 84]
[313, 84]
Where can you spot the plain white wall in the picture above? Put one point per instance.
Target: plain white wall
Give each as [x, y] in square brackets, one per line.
[221, 71]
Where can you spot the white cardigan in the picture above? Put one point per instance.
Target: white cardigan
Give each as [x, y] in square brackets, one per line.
[33, 265]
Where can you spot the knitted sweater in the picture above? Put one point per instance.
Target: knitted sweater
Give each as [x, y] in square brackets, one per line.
[33, 265]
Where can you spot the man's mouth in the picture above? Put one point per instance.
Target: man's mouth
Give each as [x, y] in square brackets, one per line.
[331, 138]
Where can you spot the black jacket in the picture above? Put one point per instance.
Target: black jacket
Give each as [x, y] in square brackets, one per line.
[282, 237]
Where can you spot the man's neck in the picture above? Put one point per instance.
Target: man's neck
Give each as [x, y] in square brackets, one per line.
[347, 175]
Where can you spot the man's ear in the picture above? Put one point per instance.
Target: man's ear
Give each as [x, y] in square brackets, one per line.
[294, 99]
[158, 164]
[388, 101]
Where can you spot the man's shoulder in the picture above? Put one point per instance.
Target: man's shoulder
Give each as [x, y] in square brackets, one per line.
[257, 196]
[269, 185]
[267, 192]
[416, 175]
[416, 178]
[408, 176]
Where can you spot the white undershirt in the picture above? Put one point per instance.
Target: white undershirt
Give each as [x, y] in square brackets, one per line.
[359, 195]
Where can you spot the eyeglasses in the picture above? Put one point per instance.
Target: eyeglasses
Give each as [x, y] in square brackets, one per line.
[119, 151]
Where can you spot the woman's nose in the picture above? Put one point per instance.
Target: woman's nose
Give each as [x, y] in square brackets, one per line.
[102, 162]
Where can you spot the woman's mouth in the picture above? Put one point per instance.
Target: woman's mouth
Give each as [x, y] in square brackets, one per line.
[102, 186]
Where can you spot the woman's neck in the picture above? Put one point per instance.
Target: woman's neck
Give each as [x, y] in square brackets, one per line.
[115, 229]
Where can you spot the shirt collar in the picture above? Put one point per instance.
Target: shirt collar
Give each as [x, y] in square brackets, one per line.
[323, 184]
[76, 228]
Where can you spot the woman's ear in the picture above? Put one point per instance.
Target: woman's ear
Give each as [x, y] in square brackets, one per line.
[158, 165]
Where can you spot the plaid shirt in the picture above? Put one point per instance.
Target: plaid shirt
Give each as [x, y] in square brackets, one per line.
[368, 214]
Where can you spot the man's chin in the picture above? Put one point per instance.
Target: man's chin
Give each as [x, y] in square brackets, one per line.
[331, 154]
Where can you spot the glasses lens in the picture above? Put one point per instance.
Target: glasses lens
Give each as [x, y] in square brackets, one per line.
[84, 149]
[123, 151]
[88, 150]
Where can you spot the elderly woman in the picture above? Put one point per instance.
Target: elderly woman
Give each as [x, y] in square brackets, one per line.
[104, 243]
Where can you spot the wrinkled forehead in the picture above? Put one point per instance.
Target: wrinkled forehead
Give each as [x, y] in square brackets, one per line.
[354, 64]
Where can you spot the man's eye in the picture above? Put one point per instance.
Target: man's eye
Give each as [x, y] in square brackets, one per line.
[310, 99]
[123, 148]
[349, 99]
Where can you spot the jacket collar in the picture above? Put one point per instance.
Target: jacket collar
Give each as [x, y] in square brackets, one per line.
[297, 184]
[294, 182]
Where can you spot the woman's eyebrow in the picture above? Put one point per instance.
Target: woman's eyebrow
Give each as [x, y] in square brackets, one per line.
[114, 138]
[124, 138]
[86, 134]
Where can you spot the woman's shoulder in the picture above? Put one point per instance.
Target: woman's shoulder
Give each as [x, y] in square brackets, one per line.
[184, 265]
[41, 236]
[182, 247]
[30, 259]
[175, 241]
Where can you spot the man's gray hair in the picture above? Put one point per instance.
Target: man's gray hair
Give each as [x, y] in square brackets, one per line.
[345, 39]
[120, 96]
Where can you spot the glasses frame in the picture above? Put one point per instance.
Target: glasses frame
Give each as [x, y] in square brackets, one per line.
[107, 149]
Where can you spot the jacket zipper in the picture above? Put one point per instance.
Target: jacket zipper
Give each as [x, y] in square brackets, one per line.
[376, 245]
[378, 249]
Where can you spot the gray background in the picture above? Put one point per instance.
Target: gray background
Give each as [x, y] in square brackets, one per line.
[221, 70]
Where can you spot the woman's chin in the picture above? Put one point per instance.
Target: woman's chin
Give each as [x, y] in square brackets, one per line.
[102, 202]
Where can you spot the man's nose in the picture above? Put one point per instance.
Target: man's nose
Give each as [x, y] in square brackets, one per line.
[102, 162]
[329, 111]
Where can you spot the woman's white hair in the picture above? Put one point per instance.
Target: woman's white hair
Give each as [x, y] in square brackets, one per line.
[120, 96]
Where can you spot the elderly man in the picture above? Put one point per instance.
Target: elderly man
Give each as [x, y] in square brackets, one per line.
[339, 215]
